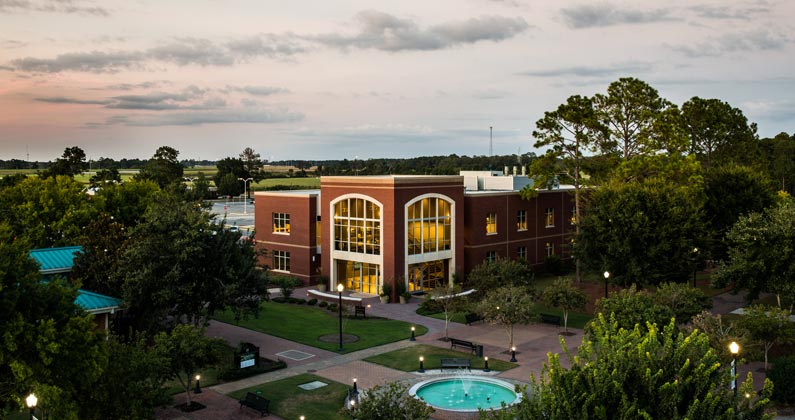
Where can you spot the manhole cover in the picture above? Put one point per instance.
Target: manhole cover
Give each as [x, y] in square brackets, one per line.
[335, 338]
[295, 355]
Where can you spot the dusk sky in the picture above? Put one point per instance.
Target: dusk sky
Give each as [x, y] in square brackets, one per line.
[340, 79]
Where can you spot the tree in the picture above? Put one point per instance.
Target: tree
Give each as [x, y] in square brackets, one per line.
[71, 163]
[253, 163]
[641, 232]
[105, 176]
[732, 191]
[47, 211]
[187, 351]
[181, 265]
[718, 132]
[633, 113]
[768, 325]
[630, 307]
[226, 178]
[721, 333]
[390, 402]
[446, 295]
[683, 300]
[163, 168]
[780, 158]
[126, 203]
[639, 374]
[561, 294]
[229, 184]
[569, 131]
[49, 345]
[507, 306]
[761, 255]
[102, 248]
[200, 187]
[490, 275]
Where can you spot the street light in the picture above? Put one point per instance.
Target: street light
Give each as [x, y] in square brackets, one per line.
[340, 288]
[31, 401]
[734, 348]
[198, 389]
[412, 334]
[422, 367]
[245, 193]
[513, 354]
[486, 364]
[695, 265]
[607, 276]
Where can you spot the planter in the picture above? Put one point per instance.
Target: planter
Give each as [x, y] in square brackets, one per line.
[403, 300]
[384, 299]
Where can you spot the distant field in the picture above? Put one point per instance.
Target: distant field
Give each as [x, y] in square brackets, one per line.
[309, 183]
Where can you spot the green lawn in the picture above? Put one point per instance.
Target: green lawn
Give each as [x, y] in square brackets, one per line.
[308, 183]
[290, 402]
[304, 324]
[576, 319]
[407, 359]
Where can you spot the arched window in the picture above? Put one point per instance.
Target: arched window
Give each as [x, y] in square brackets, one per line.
[429, 226]
[357, 226]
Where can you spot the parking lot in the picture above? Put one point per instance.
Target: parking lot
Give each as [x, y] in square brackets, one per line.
[237, 212]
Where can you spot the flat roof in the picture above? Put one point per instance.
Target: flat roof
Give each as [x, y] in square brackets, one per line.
[392, 179]
[289, 193]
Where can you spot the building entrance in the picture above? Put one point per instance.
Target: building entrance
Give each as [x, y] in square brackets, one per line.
[427, 275]
[359, 276]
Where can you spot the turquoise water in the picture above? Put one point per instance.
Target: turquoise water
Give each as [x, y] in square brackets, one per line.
[450, 394]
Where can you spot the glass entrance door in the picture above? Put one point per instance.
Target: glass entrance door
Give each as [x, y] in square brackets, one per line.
[425, 276]
[359, 276]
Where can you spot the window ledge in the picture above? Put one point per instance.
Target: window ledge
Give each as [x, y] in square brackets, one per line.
[491, 233]
[282, 233]
[549, 226]
[521, 230]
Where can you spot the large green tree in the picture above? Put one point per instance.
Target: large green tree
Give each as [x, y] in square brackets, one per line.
[508, 306]
[761, 253]
[569, 132]
[768, 325]
[562, 294]
[253, 163]
[490, 275]
[227, 178]
[629, 374]
[182, 265]
[779, 154]
[163, 168]
[642, 232]
[48, 345]
[126, 203]
[719, 133]
[638, 120]
[71, 163]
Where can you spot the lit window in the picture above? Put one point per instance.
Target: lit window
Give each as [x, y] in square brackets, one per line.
[281, 223]
[574, 215]
[491, 224]
[281, 261]
[549, 216]
[550, 248]
[521, 220]
[521, 252]
[357, 226]
[429, 226]
[491, 256]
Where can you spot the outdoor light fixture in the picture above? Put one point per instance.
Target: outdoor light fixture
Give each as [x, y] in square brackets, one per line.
[31, 401]
[340, 288]
[422, 367]
[412, 334]
[198, 389]
[302, 418]
[245, 193]
[513, 353]
[354, 386]
[734, 348]
[486, 364]
[607, 276]
[695, 262]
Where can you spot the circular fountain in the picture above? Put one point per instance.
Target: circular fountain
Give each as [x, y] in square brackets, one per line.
[465, 393]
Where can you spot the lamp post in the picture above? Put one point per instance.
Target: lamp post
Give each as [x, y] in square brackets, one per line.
[245, 193]
[198, 389]
[734, 348]
[302, 418]
[31, 401]
[607, 277]
[422, 367]
[340, 288]
[695, 265]
[486, 364]
[513, 353]
[412, 334]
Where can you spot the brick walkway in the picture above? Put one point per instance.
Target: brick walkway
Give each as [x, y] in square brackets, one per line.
[533, 342]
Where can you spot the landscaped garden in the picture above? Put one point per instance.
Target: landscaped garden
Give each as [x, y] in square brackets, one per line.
[307, 324]
[407, 359]
[288, 401]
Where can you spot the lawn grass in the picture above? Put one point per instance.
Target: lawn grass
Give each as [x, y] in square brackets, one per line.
[407, 359]
[576, 319]
[308, 183]
[304, 324]
[290, 402]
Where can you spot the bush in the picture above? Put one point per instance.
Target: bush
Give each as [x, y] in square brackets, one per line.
[312, 302]
[783, 376]
[323, 304]
[332, 307]
[300, 301]
[429, 307]
[386, 289]
[279, 300]
[265, 365]
[287, 284]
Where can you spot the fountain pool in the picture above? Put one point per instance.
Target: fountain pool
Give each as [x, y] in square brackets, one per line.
[465, 393]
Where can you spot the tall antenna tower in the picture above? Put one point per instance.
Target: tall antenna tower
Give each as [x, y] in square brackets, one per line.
[490, 142]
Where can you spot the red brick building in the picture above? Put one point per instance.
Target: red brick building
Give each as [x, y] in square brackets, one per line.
[366, 231]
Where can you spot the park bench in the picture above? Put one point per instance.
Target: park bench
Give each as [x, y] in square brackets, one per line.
[550, 319]
[455, 363]
[454, 342]
[256, 402]
[470, 318]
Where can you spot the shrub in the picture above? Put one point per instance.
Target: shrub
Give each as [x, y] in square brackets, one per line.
[279, 300]
[332, 307]
[429, 306]
[287, 284]
[323, 304]
[300, 301]
[386, 289]
[265, 365]
[312, 302]
[783, 376]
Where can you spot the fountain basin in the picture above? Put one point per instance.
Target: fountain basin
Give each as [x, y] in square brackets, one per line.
[465, 393]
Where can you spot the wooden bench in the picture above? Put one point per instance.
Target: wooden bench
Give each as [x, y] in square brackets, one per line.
[256, 402]
[550, 319]
[454, 342]
[470, 318]
[455, 363]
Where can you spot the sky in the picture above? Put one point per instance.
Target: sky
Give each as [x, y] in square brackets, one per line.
[348, 79]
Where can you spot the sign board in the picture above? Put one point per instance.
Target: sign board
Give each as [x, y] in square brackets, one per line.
[248, 360]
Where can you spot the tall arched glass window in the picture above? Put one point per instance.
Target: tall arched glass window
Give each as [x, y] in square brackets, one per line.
[357, 226]
[429, 226]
